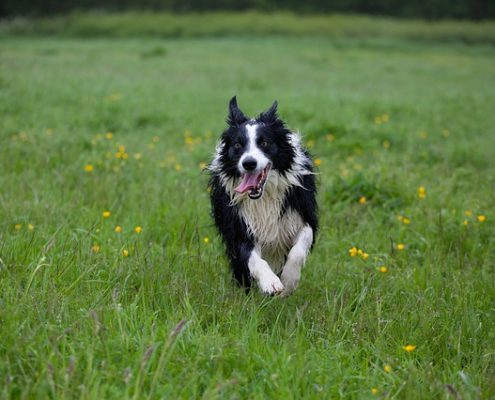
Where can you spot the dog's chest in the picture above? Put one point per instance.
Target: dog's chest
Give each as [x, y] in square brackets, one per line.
[274, 233]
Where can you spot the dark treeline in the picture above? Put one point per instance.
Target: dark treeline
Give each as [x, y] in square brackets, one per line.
[429, 9]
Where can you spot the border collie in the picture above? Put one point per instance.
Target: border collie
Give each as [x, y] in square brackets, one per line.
[263, 200]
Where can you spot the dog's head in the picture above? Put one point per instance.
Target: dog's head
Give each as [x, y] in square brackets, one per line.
[253, 148]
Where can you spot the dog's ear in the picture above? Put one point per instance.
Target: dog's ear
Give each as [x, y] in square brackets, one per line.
[269, 116]
[236, 116]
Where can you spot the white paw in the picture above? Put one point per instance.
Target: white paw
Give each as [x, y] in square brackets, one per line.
[290, 278]
[270, 284]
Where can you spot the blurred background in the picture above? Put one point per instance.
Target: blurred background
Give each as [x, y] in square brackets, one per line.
[444, 20]
[431, 9]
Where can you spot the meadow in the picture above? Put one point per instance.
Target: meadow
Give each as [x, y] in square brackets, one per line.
[113, 281]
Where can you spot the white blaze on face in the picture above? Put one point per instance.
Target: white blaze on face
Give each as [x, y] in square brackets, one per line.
[253, 150]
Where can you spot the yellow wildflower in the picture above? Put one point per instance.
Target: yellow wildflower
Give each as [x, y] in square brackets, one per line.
[318, 162]
[30, 227]
[386, 144]
[330, 137]
[421, 192]
[138, 229]
[106, 214]
[401, 246]
[202, 165]
[118, 229]
[374, 390]
[385, 117]
[95, 248]
[118, 154]
[465, 222]
[88, 168]
[138, 156]
[468, 213]
[387, 368]
[206, 240]
[125, 253]
[365, 256]
[121, 148]
[362, 200]
[125, 156]
[481, 218]
[178, 167]
[353, 251]
[383, 269]
[406, 221]
[409, 347]
[109, 135]
[17, 227]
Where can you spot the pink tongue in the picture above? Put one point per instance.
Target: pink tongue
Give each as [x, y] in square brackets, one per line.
[249, 181]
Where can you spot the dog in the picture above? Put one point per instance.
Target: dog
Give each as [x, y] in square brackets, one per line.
[263, 200]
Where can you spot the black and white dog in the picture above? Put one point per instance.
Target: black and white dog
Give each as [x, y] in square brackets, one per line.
[263, 200]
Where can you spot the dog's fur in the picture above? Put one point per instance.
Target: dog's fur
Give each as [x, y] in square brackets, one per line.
[263, 200]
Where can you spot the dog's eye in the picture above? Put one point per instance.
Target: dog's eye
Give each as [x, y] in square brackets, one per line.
[264, 143]
[237, 146]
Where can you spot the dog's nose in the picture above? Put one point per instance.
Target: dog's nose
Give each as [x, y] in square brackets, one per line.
[249, 163]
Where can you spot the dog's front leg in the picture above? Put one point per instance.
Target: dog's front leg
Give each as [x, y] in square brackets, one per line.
[296, 258]
[268, 282]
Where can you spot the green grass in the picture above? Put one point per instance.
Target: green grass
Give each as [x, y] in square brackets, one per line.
[75, 323]
[148, 24]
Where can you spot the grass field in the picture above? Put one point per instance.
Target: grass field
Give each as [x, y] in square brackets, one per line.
[91, 307]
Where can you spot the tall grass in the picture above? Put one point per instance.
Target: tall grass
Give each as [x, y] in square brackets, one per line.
[132, 24]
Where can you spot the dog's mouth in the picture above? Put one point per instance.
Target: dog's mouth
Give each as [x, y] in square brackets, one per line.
[254, 182]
